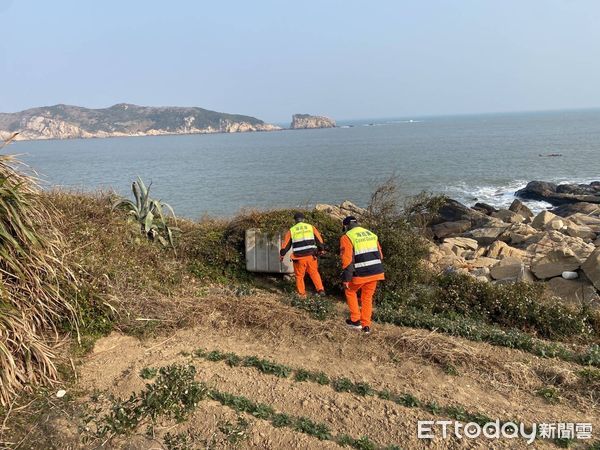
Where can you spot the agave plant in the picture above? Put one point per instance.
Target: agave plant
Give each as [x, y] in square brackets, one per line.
[148, 213]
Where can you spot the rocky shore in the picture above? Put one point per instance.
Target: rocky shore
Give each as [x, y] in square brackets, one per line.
[558, 247]
[70, 122]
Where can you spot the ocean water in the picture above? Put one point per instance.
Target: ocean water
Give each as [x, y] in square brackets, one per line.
[469, 158]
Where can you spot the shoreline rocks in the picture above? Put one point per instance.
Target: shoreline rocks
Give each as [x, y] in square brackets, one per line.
[561, 194]
[559, 248]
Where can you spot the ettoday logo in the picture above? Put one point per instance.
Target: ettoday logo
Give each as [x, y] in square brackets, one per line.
[429, 429]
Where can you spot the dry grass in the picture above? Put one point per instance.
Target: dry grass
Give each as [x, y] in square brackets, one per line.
[37, 288]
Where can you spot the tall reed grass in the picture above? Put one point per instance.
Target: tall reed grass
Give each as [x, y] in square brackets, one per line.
[37, 289]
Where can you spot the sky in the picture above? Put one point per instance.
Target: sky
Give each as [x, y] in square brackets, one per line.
[270, 59]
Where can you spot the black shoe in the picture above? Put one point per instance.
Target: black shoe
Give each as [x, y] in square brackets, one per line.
[321, 293]
[366, 330]
[354, 325]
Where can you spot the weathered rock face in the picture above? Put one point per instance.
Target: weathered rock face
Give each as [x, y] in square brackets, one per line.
[590, 209]
[554, 263]
[445, 229]
[575, 292]
[518, 207]
[507, 269]
[346, 208]
[67, 122]
[562, 193]
[508, 216]
[591, 268]
[305, 121]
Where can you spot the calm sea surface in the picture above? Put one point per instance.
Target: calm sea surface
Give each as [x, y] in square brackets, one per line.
[470, 158]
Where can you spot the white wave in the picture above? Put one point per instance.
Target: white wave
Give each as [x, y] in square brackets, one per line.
[501, 196]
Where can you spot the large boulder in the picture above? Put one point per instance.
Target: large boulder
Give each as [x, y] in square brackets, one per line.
[346, 208]
[590, 209]
[487, 235]
[576, 292]
[446, 229]
[508, 216]
[581, 231]
[591, 222]
[560, 194]
[543, 219]
[518, 207]
[500, 249]
[453, 211]
[483, 261]
[591, 268]
[484, 208]
[508, 269]
[554, 240]
[462, 242]
[554, 263]
[518, 233]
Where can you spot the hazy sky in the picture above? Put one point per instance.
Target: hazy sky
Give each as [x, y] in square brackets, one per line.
[269, 59]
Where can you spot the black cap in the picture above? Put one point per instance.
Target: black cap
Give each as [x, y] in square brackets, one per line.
[298, 216]
[348, 220]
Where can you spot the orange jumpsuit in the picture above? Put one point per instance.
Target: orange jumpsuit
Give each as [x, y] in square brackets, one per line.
[305, 264]
[366, 285]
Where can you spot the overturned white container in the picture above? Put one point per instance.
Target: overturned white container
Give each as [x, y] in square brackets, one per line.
[262, 253]
[568, 275]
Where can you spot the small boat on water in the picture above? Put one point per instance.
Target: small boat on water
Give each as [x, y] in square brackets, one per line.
[550, 155]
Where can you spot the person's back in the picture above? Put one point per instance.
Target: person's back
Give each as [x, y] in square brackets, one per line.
[306, 243]
[362, 268]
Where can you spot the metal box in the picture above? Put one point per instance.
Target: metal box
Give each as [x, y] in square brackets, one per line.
[262, 253]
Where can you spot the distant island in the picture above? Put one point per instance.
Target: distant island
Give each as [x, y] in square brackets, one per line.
[305, 121]
[124, 119]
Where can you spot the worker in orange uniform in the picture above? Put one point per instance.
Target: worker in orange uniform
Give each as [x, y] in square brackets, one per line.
[306, 243]
[362, 269]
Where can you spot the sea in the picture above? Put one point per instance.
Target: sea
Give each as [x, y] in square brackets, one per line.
[471, 158]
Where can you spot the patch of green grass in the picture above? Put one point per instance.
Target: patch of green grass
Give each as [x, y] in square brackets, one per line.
[590, 374]
[235, 432]
[232, 360]
[407, 400]
[362, 388]
[318, 307]
[215, 355]
[147, 373]
[268, 367]
[298, 423]
[174, 394]
[342, 384]
[550, 394]
[307, 426]
[321, 378]
[482, 332]
[281, 420]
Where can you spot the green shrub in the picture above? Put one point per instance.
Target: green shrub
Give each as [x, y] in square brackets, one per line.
[319, 307]
[520, 306]
[550, 394]
[174, 394]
